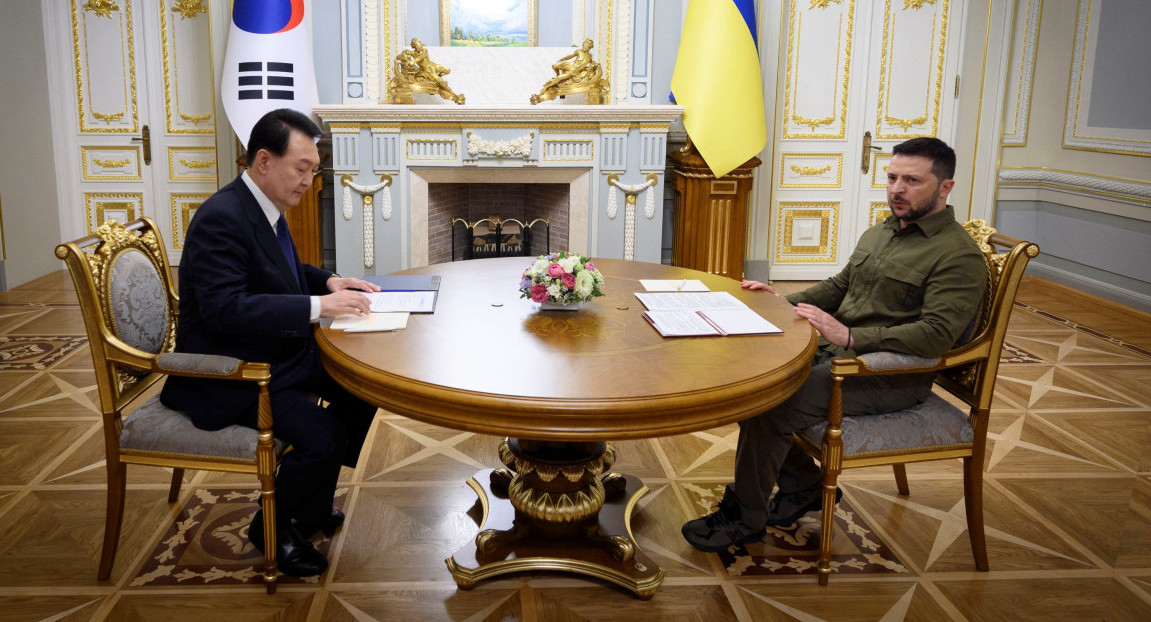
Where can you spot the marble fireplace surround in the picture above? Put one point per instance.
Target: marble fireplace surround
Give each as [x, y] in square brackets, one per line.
[574, 144]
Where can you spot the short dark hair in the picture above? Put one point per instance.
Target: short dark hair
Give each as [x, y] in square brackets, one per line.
[942, 157]
[273, 129]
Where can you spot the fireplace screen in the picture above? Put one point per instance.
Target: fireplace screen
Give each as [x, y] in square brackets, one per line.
[498, 237]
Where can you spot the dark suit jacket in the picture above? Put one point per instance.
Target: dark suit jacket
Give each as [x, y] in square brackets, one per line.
[239, 297]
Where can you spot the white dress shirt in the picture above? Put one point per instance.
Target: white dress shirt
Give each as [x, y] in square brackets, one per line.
[272, 213]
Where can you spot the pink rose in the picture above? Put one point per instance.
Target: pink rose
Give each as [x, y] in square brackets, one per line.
[539, 292]
[589, 265]
[555, 270]
[568, 280]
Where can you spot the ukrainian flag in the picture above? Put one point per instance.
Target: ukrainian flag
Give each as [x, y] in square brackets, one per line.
[717, 81]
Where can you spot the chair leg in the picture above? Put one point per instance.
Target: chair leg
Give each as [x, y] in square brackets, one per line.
[268, 500]
[177, 481]
[114, 515]
[827, 525]
[973, 503]
[901, 478]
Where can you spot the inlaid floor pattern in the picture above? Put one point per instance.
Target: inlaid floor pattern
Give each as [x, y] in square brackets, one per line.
[1067, 496]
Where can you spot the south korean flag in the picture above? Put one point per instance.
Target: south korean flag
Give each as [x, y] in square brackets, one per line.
[268, 64]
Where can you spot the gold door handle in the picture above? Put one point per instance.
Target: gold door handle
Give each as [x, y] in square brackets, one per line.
[865, 157]
[146, 138]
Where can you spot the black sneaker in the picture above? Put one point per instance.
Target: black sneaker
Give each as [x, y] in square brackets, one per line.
[786, 509]
[720, 529]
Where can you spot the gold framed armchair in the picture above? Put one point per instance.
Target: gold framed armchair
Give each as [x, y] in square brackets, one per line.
[935, 429]
[130, 310]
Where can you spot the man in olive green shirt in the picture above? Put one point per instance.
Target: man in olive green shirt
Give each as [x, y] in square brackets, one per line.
[912, 286]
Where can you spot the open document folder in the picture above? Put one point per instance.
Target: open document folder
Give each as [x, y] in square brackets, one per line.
[404, 293]
[702, 314]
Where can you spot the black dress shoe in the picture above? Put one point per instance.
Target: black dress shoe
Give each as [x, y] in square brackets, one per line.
[295, 556]
[329, 524]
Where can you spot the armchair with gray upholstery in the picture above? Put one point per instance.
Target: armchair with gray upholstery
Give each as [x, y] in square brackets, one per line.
[935, 429]
[130, 309]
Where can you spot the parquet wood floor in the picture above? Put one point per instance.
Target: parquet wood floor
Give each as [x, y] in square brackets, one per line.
[1068, 506]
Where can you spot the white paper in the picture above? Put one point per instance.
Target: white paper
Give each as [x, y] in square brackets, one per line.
[658, 285]
[680, 323]
[415, 302]
[740, 322]
[689, 301]
[372, 322]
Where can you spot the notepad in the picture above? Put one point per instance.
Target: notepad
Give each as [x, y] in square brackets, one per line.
[370, 323]
[671, 285]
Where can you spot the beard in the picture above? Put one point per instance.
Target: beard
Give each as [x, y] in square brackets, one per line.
[915, 211]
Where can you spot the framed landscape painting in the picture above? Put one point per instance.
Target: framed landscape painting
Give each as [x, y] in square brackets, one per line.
[488, 23]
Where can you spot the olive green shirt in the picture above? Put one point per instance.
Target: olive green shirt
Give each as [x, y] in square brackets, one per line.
[913, 290]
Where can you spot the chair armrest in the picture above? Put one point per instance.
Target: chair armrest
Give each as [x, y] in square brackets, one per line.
[209, 366]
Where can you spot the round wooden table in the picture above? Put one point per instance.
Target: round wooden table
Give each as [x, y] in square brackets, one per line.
[559, 385]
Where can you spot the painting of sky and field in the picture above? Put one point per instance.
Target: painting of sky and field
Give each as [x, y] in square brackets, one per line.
[489, 23]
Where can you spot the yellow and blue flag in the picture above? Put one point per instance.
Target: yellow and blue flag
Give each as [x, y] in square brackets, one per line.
[717, 80]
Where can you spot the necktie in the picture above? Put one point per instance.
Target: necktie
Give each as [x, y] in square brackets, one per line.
[285, 240]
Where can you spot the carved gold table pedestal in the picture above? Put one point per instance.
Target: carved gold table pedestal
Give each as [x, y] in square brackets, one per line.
[557, 507]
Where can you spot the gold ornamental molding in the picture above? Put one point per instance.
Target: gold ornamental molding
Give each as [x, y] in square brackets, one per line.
[880, 210]
[111, 160]
[102, 8]
[810, 170]
[196, 118]
[197, 163]
[171, 70]
[927, 123]
[108, 118]
[824, 249]
[98, 204]
[840, 81]
[189, 9]
[199, 167]
[81, 55]
[1078, 133]
[1022, 76]
[183, 208]
[817, 165]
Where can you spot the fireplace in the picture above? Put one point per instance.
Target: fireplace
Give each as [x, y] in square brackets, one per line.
[489, 219]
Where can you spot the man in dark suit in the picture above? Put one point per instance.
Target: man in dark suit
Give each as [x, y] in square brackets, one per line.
[245, 294]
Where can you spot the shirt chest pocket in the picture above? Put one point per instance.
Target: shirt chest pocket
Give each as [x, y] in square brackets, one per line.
[902, 286]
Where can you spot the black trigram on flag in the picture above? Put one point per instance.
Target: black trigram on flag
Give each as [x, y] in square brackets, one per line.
[277, 77]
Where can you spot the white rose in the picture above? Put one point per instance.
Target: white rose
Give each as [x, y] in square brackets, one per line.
[583, 285]
[540, 267]
[568, 263]
[554, 290]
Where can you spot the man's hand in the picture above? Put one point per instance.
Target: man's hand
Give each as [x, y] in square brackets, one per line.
[337, 284]
[830, 328]
[746, 284]
[345, 302]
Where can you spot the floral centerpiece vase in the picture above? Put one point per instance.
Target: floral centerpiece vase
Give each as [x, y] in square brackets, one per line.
[561, 281]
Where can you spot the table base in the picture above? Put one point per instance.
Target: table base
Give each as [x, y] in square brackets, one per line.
[600, 546]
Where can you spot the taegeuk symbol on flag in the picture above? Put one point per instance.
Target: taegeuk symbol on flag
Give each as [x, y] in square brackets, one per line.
[268, 63]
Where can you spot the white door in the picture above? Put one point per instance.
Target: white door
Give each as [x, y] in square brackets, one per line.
[137, 133]
[861, 76]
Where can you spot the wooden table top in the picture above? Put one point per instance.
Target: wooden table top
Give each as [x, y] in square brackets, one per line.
[488, 361]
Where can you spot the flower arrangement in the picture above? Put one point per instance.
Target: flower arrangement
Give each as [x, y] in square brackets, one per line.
[561, 278]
